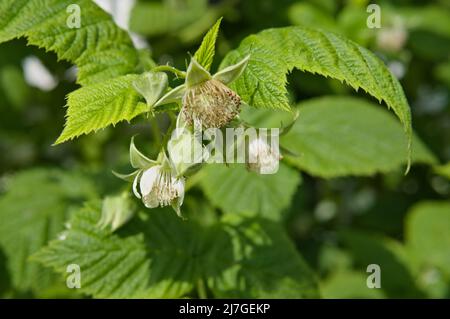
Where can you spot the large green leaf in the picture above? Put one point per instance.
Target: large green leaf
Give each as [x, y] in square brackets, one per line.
[338, 136]
[100, 49]
[33, 211]
[44, 23]
[276, 52]
[160, 255]
[428, 236]
[235, 190]
[97, 106]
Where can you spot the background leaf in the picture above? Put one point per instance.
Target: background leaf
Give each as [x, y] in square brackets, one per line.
[338, 136]
[427, 234]
[235, 190]
[32, 212]
[396, 276]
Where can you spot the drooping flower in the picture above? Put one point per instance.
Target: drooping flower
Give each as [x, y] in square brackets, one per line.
[206, 99]
[159, 186]
[155, 182]
[263, 158]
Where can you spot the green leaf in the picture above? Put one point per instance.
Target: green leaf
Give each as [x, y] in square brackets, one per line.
[276, 52]
[205, 54]
[96, 106]
[430, 18]
[99, 66]
[158, 255]
[167, 17]
[235, 190]
[100, 49]
[309, 15]
[44, 24]
[346, 284]
[397, 280]
[339, 136]
[427, 234]
[33, 211]
[268, 264]
[116, 211]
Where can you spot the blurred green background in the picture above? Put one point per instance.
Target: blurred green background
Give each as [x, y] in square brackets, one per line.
[340, 225]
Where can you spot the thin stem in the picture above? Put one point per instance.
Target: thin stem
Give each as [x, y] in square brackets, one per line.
[156, 130]
[168, 134]
[168, 68]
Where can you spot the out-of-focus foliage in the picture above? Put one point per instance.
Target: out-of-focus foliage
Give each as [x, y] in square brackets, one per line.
[339, 202]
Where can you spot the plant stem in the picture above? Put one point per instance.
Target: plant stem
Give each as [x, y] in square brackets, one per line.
[168, 68]
[156, 131]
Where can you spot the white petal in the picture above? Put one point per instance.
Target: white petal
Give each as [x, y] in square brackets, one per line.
[179, 186]
[151, 201]
[148, 179]
[135, 181]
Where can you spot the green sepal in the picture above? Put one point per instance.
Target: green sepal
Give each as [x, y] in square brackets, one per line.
[232, 72]
[137, 159]
[173, 96]
[196, 74]
[126, 177]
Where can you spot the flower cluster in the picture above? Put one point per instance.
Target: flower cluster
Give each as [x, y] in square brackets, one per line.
[205, 101]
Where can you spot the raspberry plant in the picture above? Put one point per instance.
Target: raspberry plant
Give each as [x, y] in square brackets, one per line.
[231, 240]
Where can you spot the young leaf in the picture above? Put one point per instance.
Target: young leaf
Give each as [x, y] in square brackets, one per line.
[97, 106]
[276, 52]
[338, 136]
[235, 190]
[205, 54]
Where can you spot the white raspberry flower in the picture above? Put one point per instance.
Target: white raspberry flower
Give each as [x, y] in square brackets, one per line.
[263, 158]
[159, 183]
[159, 187]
